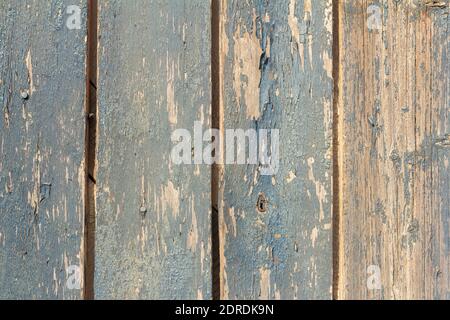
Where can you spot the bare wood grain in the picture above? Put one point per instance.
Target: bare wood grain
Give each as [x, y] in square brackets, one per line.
[394, 122]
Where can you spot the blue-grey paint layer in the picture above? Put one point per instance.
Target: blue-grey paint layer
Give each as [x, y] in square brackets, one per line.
[153, 216]
[276, 72]
[42, 123]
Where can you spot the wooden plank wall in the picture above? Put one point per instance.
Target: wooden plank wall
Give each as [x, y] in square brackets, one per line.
[394, 145]
[153, 236]
[276, 73]
[357, 203]
[42, 101]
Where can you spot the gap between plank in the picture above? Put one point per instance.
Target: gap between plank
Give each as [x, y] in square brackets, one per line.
[216, 124]
[90, 150]
[337, 152]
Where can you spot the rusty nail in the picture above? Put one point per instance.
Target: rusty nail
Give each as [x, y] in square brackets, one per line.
[143, 211]
[262, 203]
[24, 94]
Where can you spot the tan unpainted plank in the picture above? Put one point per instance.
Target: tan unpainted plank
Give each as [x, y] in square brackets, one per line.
[393, 138]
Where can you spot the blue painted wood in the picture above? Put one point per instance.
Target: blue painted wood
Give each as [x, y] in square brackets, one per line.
[153, 238]
[276, 73]
[42, 123]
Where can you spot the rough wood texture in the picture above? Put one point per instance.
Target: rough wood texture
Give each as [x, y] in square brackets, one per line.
[153, 217]
[276, 73]
[394, 145]
[42, 123]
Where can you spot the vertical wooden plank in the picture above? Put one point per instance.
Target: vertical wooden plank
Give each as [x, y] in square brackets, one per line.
[42, 123]
[153, 216]
[438, 232]
[393, 134]
[276, 74]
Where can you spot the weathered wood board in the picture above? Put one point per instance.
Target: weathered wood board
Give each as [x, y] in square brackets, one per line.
[276, 74]
[153, 223]
[394, 144]
[42, 127]
[365, 136]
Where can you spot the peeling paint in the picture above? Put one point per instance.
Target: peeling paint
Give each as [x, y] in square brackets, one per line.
[171, 103]
[321, 191]
[193, 237]
[247, 75]
[264, 283]
[29, 65]
[170, 198]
